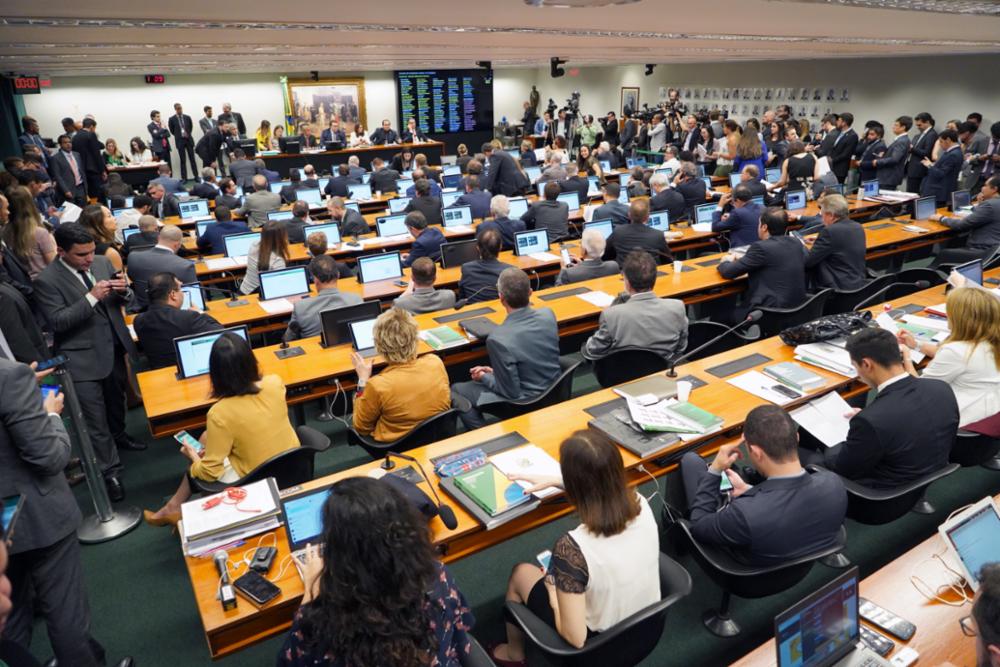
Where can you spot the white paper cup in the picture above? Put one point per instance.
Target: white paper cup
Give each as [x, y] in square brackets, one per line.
[678, 269]
[683, 391]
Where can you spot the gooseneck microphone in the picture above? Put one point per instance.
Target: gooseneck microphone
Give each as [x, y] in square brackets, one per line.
[752, 316]
[462, 303]
[446, 513]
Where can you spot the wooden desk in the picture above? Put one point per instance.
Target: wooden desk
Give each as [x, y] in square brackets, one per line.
[139, 175]
[327, 160]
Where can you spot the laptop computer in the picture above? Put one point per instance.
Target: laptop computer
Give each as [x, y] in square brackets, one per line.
[972, 271]
[193, 351]
[362, 192]
[194, 210]
[456, 216]
[280, 215]
[334, 321]
[973, 538]
[759, 200]
[451, 180]
[277, 185]
[331, 229]
[363, 336]
[391, 226]
[869, 189]
[703, 213]
[398, 204]
[660, 220]
[961, 201]
[311, 196]
[605, 227]
[518, 207]
[238, 245]
[527, 243]
[451, 170]
[734, 179]
[403, 184]
[824, 630]
[385, 266]
[130, 231]
[283, 283]
[202, 225]
[533, 173]
[458, 253]
[571, 199]
[924, 208]
[449, 198]
[772, 175]
[795, 200]
[302, 515]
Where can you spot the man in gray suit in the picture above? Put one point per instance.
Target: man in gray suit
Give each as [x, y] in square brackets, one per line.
[257, 204]
[170, 184]
[67, 170]
[524, 352]
[81, 296]
[420, 295]
[890, 167]
[643, 321]
[982, 225]
[162, 257]
[45, 569]
[592, 266]
[306, 320]
[207, 123]
[549, 214]
[242, 170]
[612, 209]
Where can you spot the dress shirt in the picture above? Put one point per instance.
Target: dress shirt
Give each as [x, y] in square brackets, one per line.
[895, 378]
[91, 299]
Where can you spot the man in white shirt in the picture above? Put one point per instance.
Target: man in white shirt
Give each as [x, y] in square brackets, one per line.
[657, 134]
[141, 205]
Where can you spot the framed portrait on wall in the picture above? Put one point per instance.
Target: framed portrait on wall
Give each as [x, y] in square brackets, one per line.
[318, 102]
[630, 99]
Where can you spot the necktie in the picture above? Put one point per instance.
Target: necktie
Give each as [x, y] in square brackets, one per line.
[988, 167]
[86, 280]
[73, 167]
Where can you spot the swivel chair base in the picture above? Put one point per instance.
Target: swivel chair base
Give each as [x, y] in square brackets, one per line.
[720, 625]
[837, 561]
[993, 464]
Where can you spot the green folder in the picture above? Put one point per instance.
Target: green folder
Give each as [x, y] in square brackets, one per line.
[491, 489]
[444, 336]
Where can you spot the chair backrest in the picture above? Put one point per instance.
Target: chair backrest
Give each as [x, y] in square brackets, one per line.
[913, 275]
[703, 331]
[844, 302]
[973, 449]
[874, 507]
[627, 364]
[288, 468]
[436, 427]
[777, 319]
[559, 391]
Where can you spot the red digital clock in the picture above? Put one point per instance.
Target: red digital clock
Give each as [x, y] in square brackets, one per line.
[155, 78]
[26, 85]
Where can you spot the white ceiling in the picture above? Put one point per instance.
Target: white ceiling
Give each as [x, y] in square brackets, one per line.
[95, 37]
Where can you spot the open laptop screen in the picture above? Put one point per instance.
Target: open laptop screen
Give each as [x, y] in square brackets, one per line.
[193, 351]
[195, 208]
[373, 268]
[821, 629]
[303, 516]
[457, 216]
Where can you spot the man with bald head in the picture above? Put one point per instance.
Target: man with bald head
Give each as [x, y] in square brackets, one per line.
[259, 202]
[160, 258]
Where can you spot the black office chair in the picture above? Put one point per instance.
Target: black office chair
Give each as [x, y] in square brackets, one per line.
[845, 302]
[626, 643]
[559, 391]
[932, 276]
[745, 581]
[776, 320]
[702, 331]
[295, 466]
[436, 427]
[974, 449]
[627, 364]
[477, 657]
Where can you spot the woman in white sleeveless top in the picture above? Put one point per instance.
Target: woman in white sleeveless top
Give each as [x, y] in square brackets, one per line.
[602, 571]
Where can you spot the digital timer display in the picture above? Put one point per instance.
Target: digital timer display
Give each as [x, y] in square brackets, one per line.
[155, 78]
[26, 85]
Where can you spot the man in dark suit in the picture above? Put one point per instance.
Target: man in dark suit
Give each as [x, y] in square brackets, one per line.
[426, 240]
[822, 143]
[477, 199]
[743, 221]
[789, 515]
[208, 187]
[24, 339]
[612, 209]
[383, 178]
[357, 172]
[837, 256]
[67, 171]
[149, 235]
[211, 242]
[524, 352]
[750, 179]
[890, 166]
[162, 257]
[942, 176]
[271, 175]
[206, 122]
[665, 198]
[227, 194]
[886, 445]
[844, 145]
[774, 265]
[309, 179]
[589, 265]
[159, 144]
[478, 281]
[180, 126]
[610, 125]
[384, 135]
[575, 182]
[549, 214]
[629, 131]
[164, 205]
[421, 173]
[87, 146]
[231, 117]
[351, 222]
[637, 235]
[425, 203]
[337, 186]
[691, 186]
[691, 136]
[982, 225]
[166, 179]
[210, 146]
[30, 137]
[501, 176]
[501, 222]
[413, 134]
[296, 227]
[82, 296]
[290, 192]
[165, 320]
[242, 170]
[920, 150]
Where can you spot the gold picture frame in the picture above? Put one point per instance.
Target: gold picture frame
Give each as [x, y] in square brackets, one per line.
[630, 97]
[316, 102]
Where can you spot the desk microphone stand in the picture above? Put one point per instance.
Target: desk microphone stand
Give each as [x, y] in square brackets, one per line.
[105, 524]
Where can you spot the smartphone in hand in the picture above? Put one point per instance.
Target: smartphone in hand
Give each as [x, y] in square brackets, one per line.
[186, 438]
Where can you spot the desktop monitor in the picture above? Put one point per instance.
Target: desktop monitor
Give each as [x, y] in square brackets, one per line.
[735, 178]
[398, 204]
[973, 538]
[129, 201]
[333, 145]
[362, 192]
[249, 147]
[403, 184]
[193, 351]
[458, 253]
[449, 198]
[456, 216]
[623, 196]
[384, 266]
[869, 188]
[593, 186]
[283, 283]
[795, 200]
[527, 243]
[973, 271]
[834, 189]
[823, 628]
[391, 225]
[311, 196]
[703, 213]
[571, 199]
[194, 208]
[194, 296]
[238, 245]
[331, 229]
[289, 145]
[605, 165]
[451, 170]
[660, 221]
[605, 227]
[280, 215]
[334, 321]
[130, 231]
[203, 225]
[277, 185]
[533, 173]
[759, 200]
[924, 208]
[518, 207]
[451, 180]
[632, 162]
[353, 206]
[772, 175]
[363, 336]
[116, 212]
[961, 200]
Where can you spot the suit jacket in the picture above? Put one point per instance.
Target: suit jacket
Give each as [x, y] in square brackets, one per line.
[237, 118]
[478, 201]
[356, 174]
[983, 225]
[256, 206]
[426, 300]
[158, 143]
[628, 135]
[428, 244]
[290, 193]
[166, 207]
[209, 146]
[157, 328]
[243, 171]
[380, 137]
[19, 327]
[886, 447]
[921, 148]
[478, 281]
[587, 269]
[524, 355]
[14, 272]
[204, 191]
[577, 184]
[615, 211]
[412, 137]
[337, 186]
[306, 320]
[230, 201]
[211, 242]
[501, 175]
[871, 150]
[144, 265]
[552, 216]
[979, 145]
[296, 230]
[837, 257]
[430, 206]
[327, 135]
[170, 184]
[207, 124]
[34, 449]
[826, 144]
[671, 201]
[434, 191]
[741, 224]
[841, 153]
[892, 164]
[776, 270]
[776, 521]
[174, 125]
[384, 180]
[85, 334]
[507, 228]
[62, 172]
[626, 238]
[693, 191]
[353, 223]
[644, 321]
[88, 147]
[942, 176]
[139, 240]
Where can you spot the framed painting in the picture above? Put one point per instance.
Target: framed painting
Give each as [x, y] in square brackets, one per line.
[630, 100]
[318, 102]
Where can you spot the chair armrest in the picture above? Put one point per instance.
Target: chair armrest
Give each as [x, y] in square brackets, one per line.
[311, 438]
[869, 493]
[538, 631]
[355, 438]
[460, 403]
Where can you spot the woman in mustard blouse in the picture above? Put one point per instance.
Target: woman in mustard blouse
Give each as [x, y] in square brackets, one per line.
[247, 426]
[264, 136]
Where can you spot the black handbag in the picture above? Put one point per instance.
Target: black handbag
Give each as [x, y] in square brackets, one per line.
[826, 328]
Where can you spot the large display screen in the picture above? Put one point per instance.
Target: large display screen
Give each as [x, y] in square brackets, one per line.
[446, 101]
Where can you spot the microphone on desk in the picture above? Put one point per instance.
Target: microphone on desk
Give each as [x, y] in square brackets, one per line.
[880, 295]
[446, 513]
[462, 303]
[752, 316]
[234, 300]
[226, 593]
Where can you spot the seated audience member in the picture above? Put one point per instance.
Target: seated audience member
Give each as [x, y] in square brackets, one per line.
[170, 184]
[789, 515]
[475, 197]
[750, 179]
[351, 222]
[420, 295]
[775, 266]
[643, 320]
[502, 222]
[637, 235]
[242, 170]
[575, 182]
[431, 173]
[742, 221]
[309, 179]
[259, 203]
[247, 425]
[639, 182]
[425, 203]
[383, 179]
[426, 240]
[306, 320]
[602, 571]
[165, 205]
[549, 214]
[268, 253]
[478, 281]
[162, 257]
[691, 186]
[886, 447]
[408, 390]
[664, 198]
[208, 188]
[591, 266]
[523, 351]
[984, 623]
[612, 209]
[289, 193]
[337, 186]
[141, 205]
[372, 534]
[837, 256]
[554, 169]
[211, 242]
[149, 235]
[355, 170]
[969, 358]
[982, 224]
[227, 194]
[167, 319]
[432, 186]
[297, 226]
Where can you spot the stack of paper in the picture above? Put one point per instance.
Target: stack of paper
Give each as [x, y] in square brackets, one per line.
[597, 297]
[276, 306]
[826, 356]
[758, 384]
[939, 309]
[528, 460]
[825, 418]
[890, 325]
[544, 257]
[927, 322]
[702, 227]
[213, 521]
[220, 263]
[70, 212]
[672, 417]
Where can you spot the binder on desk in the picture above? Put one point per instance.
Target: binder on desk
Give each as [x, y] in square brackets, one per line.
[617, 426]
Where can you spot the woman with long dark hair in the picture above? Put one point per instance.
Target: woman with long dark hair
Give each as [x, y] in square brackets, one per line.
[377, 596]
[267, 254]
[97, 220]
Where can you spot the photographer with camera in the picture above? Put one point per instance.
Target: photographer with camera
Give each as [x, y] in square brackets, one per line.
[610, 126]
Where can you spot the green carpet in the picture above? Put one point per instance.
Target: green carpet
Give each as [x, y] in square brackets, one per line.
[142, 603]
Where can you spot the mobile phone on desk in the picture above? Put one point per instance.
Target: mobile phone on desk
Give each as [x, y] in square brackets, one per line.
[186, 438]
[400, 283]
[256, 588]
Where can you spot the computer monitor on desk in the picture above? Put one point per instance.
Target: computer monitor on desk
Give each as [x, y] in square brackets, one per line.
[362, 192]
[203, 225]
[193, 351]
[238, 245]
[289, 145]
[284, 283]
[249, 147]
[391, 225]
[334, 321]
[277, 185]
[385, 266]
[194, 209]
[527, 243]
[280, 215]
[518, 207]
[533, 173]
[660, 221]
[924, 208]
[403, 184]
[703, 213]
[398, 204]
[795, 200]
[451, 180]
[449, 198]
[331, 229]
[458, 253]
[456, 216]
[869, 189]
[310, 196]
[363, 336]
[571, 199]
[605, 227]
[772, 175]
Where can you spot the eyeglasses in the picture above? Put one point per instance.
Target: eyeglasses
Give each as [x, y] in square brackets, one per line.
[968, 625]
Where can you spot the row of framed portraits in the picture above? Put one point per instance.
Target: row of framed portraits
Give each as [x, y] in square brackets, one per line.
[778, 95]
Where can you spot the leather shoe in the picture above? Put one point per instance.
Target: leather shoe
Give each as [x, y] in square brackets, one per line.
[131, 445]
[116, 490]
[74, 478]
